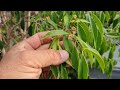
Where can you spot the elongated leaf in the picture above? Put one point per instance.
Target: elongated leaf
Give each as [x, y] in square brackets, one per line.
[115, 22]
[107, 15]
[109, 67]
[111, 53]
[99, 41]
[34, 28]
[98, 23]
[97, 35]
[74, 58]
[82, 20]
[66, 21]
[68, 44]
[104, 46]
[97, 56]
[81, 14]
[69, 63]
[1, 44]
[87, 31]
[90, 55]
[95, 31]
[55, 33]
[80, 69]
[79, 40]
[52, 23]
[64, 74]
[54, 17]
[53, 44]
[83, 68]
[81, 32]
[54, 70]
[102, 17]
[117, 16]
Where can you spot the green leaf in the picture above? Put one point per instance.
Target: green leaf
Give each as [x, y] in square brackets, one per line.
[97, 56]
[81, 32]
[111, 53]
[75, 58]
[116, 17]
[109, 67]
[90, 55]
[1, 44]
[17, 15]
[54, 17]
[83, 68]
[82, 20]
[102, 17]
[66, 21]
[55, 33]
[115, 22]
[114, 63]
[80, 69]
[68, 44]
[22, 24]
[98, 23]
[99, 41]
[82, 43]
[69, 63]
[96, 33]
[87, 31]
[34, 28]
[104, 46]
[64, 74]
[113, 35]
[54, 70]
[107, 15]
[52, 23]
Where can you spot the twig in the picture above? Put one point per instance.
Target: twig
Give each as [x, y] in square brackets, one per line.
[27, 22]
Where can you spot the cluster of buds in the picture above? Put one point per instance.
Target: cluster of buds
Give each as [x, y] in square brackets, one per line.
[60, 23]
[74, 30]
[48, 17]
[74, 17]
[70, 36]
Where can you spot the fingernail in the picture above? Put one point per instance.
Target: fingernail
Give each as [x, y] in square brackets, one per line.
[64, 55]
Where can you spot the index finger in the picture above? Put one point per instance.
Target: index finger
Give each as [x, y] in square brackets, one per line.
[35, 40]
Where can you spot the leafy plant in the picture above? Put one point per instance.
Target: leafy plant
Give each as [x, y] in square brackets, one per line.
[84, 38]
[87, 35]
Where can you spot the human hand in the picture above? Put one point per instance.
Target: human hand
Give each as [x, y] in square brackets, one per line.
[26, 59]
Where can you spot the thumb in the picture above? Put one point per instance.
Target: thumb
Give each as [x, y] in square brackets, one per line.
[51, 57]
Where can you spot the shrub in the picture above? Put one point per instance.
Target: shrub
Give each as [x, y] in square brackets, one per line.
[87, 35]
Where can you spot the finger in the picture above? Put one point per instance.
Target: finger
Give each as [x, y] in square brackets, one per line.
[52, 57]
[46, 46]
[44, 58]
[35, 40]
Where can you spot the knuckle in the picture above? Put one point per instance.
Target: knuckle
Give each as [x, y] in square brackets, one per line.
[54, 56]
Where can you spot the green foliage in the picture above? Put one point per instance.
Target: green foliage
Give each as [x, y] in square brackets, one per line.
[1, 45]
[87, 35]
[87, 42]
